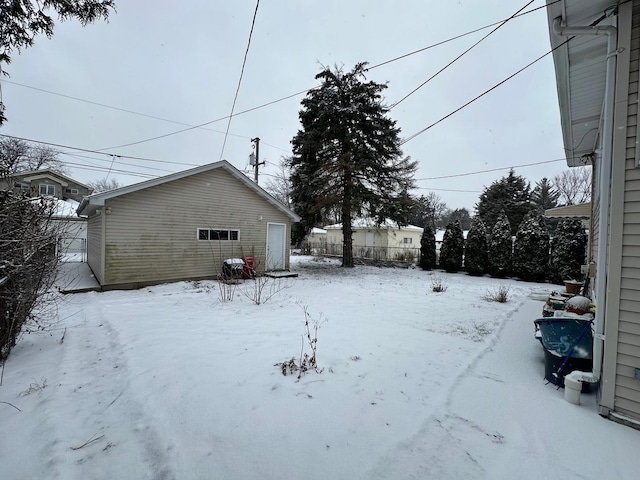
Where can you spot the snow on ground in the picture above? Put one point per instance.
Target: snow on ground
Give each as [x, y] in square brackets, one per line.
[168, 382]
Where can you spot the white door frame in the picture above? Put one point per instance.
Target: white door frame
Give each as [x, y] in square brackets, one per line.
[269, 255]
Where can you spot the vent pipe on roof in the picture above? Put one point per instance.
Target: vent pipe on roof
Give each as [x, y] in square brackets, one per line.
[604, 165]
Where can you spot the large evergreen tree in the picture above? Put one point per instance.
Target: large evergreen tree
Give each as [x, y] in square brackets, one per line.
[531, 248]
[544, 195]
[348, 154]
[476, 254]
[501, 248]
[452, 248]
[428, 248]
[511, 194]
[568, 251]
[22, 20]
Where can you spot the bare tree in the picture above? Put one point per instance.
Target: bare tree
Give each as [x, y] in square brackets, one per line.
[279, 185]
[103, 184]
[573, 185]
[17, 155]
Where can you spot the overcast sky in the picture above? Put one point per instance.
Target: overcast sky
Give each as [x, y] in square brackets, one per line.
[181, 61]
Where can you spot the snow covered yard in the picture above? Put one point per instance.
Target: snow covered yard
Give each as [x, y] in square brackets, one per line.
[168, 382]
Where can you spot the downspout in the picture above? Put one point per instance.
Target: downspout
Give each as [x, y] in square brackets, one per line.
[574, 378]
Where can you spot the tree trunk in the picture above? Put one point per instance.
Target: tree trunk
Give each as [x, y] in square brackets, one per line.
[347, 233]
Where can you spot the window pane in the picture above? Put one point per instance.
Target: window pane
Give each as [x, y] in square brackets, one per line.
[234, 234]
[203, 234]
[47, 189]
[214, 234]
[224, 234]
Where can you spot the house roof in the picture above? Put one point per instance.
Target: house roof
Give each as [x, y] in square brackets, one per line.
[440, 235]
[580, 67]
[581, 211]
[371, 224]
[91, 203]
[47, 173]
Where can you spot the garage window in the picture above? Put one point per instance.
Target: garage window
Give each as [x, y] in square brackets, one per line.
[216, 234]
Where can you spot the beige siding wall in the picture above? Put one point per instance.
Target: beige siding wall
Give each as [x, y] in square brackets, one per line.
[397, 240]
[95, 247]
[627, 392]
[380, 237]
[151, 235]
[387, 243]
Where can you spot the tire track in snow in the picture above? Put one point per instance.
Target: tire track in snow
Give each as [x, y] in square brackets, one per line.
[93, 348]
[427, 453]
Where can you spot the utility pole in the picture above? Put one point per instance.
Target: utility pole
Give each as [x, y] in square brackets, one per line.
[256, 162]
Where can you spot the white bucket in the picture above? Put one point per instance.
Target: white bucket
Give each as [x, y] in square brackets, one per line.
[572, 390]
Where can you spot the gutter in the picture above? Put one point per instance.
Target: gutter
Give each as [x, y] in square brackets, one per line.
[574, 379]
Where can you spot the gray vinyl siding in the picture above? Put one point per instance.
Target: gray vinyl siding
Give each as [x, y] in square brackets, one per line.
[94, 246]
[151, 234]
[627, 391]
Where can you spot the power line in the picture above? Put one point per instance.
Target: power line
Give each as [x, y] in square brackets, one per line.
[202, 125]
[77, 165]
[420, 132]
[504, 22]
[97, 151]
[133, 112]
[448, 190]
[470, 32]
[307, 90]
[104, 169]
[244, 62]
[492, 170]
[208, 123]
[75, 155]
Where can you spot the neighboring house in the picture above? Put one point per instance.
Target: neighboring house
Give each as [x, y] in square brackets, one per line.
[385, 241]
[597, 80]
[183, 226]
[71, 230]
[46, 182]
[582, 212]
[315, 242]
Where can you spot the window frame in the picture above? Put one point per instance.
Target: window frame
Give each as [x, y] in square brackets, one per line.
[231, 234]
[407, 240]
[47, 186]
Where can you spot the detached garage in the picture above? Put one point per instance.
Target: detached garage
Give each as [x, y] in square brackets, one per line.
[183, 226]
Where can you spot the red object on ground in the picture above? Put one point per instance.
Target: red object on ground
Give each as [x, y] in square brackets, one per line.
[248, 271]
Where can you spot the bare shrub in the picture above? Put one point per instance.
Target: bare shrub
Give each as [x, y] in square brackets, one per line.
[500, 294]
[29, 261]
[261, 289]
[227, 290]
[307, 361]
[438, 284]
